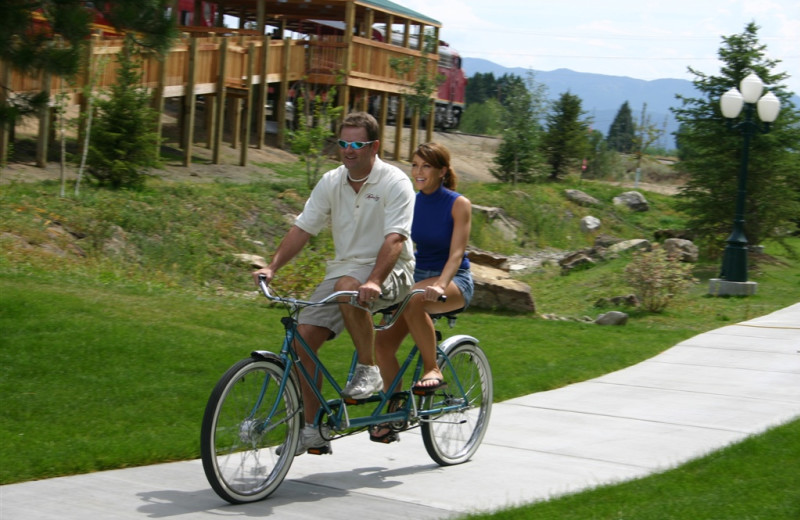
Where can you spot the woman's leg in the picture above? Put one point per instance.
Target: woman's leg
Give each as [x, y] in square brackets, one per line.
[420, 325]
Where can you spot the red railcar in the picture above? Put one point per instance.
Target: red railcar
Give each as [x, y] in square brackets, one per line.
[185, 16]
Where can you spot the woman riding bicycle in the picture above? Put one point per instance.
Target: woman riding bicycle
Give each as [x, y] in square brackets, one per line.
[440, 231]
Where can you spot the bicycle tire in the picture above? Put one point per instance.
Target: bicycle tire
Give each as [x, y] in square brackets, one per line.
[453, 437]
[238, 447]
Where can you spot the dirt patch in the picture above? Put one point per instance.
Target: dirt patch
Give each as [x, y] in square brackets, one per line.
[471, 158]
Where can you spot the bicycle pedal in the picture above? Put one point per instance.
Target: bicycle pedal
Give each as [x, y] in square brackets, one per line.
[322, 450]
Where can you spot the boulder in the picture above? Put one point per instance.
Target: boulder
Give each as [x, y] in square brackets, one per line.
[685, 250]
[589, 223]
[662, 234]
[581, 198]
[582, 258]
[478, 256]
[498, 220]
[612, 318]
[253, 261]
[628, 245]
[495, 289]
[634, 200]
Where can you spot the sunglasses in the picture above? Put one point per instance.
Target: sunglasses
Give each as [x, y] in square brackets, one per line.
[355, 145]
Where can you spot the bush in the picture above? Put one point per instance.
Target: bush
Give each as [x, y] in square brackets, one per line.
[123, 144]
[657, 277]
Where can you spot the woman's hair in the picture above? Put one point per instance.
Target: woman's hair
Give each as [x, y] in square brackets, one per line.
[365, 121]
[438, 156]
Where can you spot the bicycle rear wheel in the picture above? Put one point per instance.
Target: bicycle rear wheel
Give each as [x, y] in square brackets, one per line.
[247, 418]
[453, 435]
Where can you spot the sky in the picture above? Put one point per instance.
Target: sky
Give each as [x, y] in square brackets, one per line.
[643, 39]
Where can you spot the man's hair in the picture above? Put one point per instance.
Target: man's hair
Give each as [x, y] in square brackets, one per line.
[365, 121]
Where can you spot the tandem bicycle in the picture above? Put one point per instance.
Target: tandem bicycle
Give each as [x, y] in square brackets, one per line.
[252, 422]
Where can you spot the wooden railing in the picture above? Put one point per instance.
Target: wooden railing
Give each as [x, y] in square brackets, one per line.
[318, 61]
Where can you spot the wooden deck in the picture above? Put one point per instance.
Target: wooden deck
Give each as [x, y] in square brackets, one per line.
[229, 73]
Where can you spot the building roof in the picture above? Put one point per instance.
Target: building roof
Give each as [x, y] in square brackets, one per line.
[392, 7]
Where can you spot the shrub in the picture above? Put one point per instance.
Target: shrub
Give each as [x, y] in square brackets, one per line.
[657, 277]
[123, 144]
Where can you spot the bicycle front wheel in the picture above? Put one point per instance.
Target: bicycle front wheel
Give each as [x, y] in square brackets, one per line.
[250, 430]
[459, 412]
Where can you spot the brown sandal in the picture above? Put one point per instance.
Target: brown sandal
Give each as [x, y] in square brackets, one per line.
[388, 436]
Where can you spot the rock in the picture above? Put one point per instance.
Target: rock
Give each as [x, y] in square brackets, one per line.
[612, 318]
[495, 289]
[254, 261]
[577, 259]
[478, 256]
[633, 200]
[589, 223]
[581, 198]
[627, 245]
[500, 222]
[663, 234]
[685, 250]
[606, 241]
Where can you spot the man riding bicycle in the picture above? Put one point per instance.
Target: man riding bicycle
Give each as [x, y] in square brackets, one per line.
[369, 206]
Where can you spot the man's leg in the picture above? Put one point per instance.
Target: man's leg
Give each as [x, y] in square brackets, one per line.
[358, 323]
[314, 336]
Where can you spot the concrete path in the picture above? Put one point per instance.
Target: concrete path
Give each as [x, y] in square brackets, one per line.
[706, 392]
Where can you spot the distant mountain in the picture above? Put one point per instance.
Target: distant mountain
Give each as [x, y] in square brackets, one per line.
[602, 96]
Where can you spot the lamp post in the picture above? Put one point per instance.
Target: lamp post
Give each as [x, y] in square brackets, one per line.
[733, 277]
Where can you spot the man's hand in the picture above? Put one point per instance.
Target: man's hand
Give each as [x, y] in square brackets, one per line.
[266, 272]
[368, 293]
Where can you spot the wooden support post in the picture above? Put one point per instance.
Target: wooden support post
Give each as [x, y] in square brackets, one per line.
[210, 116]
[347, 66]
[236, 120]
[261, 10]
[248, 104]
[190, 104]
[220, 102]
[5, 129]
[382, 119]
[398, 126]
[158, 100]
[412, 140]
[280, 103]
[43, 143]
[263, 91]
[431, 122]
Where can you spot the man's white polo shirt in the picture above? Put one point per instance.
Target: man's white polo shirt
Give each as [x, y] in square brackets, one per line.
[360, 221]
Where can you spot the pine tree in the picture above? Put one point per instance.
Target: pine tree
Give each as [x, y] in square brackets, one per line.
[711, 151]
[566, 141]
[518, 158]
[123, 147]
[480, 88]
[622, 133]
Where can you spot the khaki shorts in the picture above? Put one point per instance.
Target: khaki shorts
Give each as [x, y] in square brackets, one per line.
[393, 290]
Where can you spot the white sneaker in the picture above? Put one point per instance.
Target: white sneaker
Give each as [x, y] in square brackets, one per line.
[310, 439]
[365, 382]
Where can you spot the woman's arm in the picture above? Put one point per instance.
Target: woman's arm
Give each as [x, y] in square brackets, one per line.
[462, 222]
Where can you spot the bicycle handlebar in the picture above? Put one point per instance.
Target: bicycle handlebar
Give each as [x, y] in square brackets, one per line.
[330, 299]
